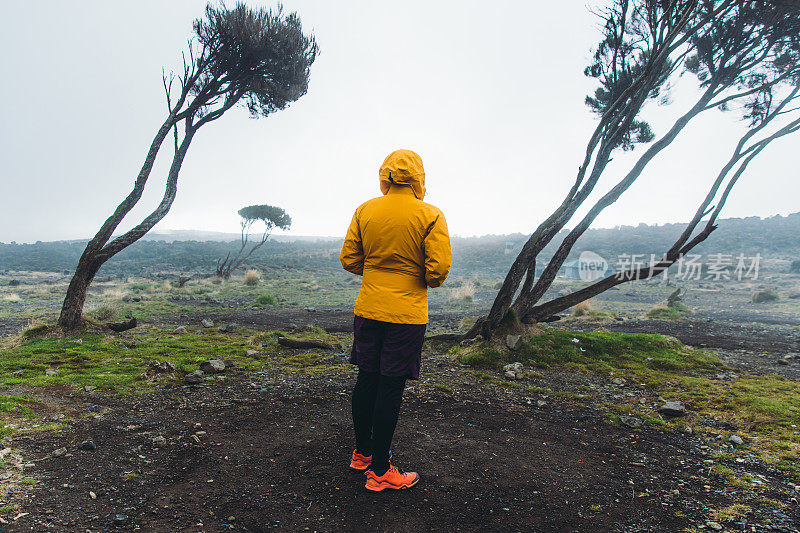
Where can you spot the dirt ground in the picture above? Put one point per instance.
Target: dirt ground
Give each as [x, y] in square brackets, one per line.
[271, 453]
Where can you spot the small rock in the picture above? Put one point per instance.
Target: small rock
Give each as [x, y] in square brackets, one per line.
[736, 439]
[673, 409]
[251, 353]
[87, 446]
[180, 330]
[228, 363]
[540, 403]
[59, 452]
[311, 309]
[213, 366]
[207, 323]
[514, 370]
[714, 525]
[120, 519]
[229, 328]
[195, 377]
[159, 441]
[161, 367]
[50, 372]
[89, 388]
[631, 421]
[618, 381]
[514, 342]
[783, 362]
[92, 495]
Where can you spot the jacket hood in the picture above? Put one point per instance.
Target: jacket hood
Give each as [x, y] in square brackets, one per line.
[403, 167]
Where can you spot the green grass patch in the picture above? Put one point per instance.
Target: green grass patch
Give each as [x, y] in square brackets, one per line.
[17, 406]
[111, 362]
[8, 509]
[732, 512]
[767, 403]
[631, 353]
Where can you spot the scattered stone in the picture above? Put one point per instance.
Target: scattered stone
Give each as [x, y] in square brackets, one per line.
[180, 330]
[195, 377]
[50, 372]
[251, 353]
[673, 409]
[207, 323]
[87, 446]
[120, 519]
[714, 525]
[228, 363]
[631, 421]
[59, 452]
[514, 342]
[540, 403]
[618, 381]
[161, 367]
[89, 388]
[514, 370]
[736, 439]
[92, 495]
[5, 475]
[311, 309]
[229, 328]
[304, 343]
[783, 362]
[159, 441]
[213, 366]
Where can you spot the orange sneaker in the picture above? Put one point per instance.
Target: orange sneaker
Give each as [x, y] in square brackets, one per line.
[360, 462]
[392, 479]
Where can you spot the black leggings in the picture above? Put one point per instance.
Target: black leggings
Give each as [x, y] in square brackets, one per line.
[376, 406]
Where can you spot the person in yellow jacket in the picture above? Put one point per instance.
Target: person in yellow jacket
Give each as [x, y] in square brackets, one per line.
[400, 245]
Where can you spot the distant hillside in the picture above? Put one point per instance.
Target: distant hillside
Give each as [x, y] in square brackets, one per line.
[773, 237]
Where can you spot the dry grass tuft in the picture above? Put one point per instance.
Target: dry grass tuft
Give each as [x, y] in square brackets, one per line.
[252, 278]
[582, 308]
[464, 293]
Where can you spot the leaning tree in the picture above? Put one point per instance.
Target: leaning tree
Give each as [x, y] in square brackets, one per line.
[271, 216]
[744, 54]
[256, 57]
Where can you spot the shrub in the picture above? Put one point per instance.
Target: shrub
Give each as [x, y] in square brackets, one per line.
[767, 295]
[104, 313]
[265, 300]
[252, 277]
[664, 312]
[582, 308]
[795, 268]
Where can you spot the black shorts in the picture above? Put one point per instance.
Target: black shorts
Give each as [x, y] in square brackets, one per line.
[387, 348]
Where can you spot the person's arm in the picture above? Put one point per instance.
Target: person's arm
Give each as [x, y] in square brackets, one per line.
[438, 257]
[352, 256]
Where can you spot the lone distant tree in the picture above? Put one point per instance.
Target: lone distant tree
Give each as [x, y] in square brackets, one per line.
[256, 57]
[745, 56]
[271, 216]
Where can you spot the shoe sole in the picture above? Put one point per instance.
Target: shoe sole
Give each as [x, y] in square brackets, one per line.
[358, 468]
[384, 486]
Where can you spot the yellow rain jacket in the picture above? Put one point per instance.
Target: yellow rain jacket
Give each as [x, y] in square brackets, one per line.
[399, 244]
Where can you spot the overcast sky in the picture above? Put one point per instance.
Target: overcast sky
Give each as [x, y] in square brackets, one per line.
[489, 94]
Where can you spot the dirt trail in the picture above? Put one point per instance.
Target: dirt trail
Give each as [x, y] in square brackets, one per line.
[275, 452]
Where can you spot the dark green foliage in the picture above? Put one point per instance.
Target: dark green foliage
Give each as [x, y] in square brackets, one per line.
[265, 300]
[270, 215]
[764, 296]
[795, 268]
[261, 53]
[778, 235]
